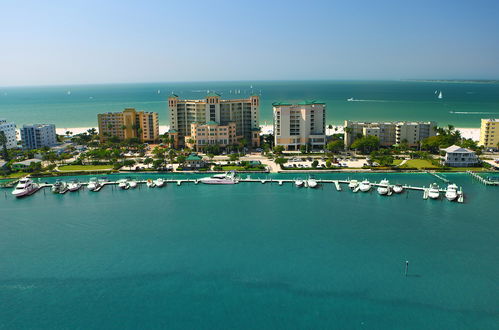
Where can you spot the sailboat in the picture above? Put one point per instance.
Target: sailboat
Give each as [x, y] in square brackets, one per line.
[440, 96]
[159, 92]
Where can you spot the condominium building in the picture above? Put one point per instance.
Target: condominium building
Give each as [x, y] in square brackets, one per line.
[38, 135]
[489, 133]
[390, 133]
[244, 113]
[211, 133]
[302, 124]
[129, 124]
[9, 130]
[456, 156]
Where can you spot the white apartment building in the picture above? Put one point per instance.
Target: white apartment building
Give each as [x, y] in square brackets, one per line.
[243, 112]
[9, 129]
[456, 156]
[390, 133]
[300, 124]
[38, 135]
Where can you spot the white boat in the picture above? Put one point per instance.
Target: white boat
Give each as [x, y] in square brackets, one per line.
[398, 188]
[440, 95]
[312, 183]
[365, 186]
[299, 183]
[159, 182]
[133, 184]
[74, 186]
[59, 187]
[451, 193]
[226, 178]
[123, 184]
[93, 184]
[384, 187]
[25, 187]
[350, 99]
[353, 184]
[434, 191]
[150, 183]
[63, 188]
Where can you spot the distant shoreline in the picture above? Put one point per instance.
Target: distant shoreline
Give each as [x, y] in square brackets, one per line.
[455, 81]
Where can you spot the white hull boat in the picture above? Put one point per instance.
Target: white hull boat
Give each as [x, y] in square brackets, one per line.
[451, 193]
[123, 184]
[353, 184]
[150, 184]
[299, 183]
[74, 186]
[434, 192]
[133, 184]
[397, 189]
[227, 178]
[312, 183]
[159, 182]
[365, 186]
[384, 187]
[25, 187]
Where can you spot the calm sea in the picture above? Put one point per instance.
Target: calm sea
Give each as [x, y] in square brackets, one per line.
[250, 256]
[462, 104]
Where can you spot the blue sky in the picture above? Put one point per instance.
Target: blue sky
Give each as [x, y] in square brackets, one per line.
[66, 42]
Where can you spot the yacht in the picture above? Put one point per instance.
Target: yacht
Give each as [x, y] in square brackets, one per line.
[74, 186]
[93, 184]
[59, 187]
[350, 99]
[299, 182]
[133, 184]
[365, 186]
[312, 183]
[25, 187]
[226, 178]
[150, 183]
[398, 188]
[123, 184]
[384, 187]
[451, 193]
[353, 184]
[434, 191]
[159, 182]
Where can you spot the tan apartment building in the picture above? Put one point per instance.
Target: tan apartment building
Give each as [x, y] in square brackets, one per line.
[244, 113]
[129, 124]
[390, 133]
[211, 133]
[302, 124]
[489, 133]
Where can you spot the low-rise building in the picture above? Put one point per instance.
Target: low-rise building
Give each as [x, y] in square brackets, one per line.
[9, 130]
[211, 133]
[301, 124]
[390, 133]
[129, 124]
[489, 134]
[194, 161]
[23, 165]
[456, 156]
[38, 136]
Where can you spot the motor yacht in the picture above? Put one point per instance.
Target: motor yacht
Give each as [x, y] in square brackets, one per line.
[150, 183]
[94, 184]
[384, 187]
[74, 186]
[226, 178]
[299, 183]
[365, 186]
[451, 193]
[25, 187]
[312, 183]
[133, 184]
[398, 188]
[59, 187]
[123, 184]
[353, 184]
[434, 191]
[159, 182]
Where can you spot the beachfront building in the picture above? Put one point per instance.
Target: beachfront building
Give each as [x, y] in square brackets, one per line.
[211, 133]
[390, 133]
[9, 130]
[38, 136]
[244, 113]
[457, 156]
[489, 134]
[301, 124]
[129, 124]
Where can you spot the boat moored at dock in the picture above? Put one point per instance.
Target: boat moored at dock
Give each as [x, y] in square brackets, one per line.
[434, 191]
[451, 192]
[159, 182]
[25, 187]
[353, 184]
[74, 185]
[365, 186]
[123, 184]
[226, 178]
[384, 187]
[398, 188]
[312, 183]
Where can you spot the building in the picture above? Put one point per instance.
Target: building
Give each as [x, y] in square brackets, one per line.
[489, 134]
[25, 164]
[9, 130]
[211, 133]
[302, 124]
[244, 113]
[390, 133]
[38, 136]
[456, 156]
[194, 161]
[129, 124]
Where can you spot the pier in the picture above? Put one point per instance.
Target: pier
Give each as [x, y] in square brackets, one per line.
[438, 176]
[483, 180]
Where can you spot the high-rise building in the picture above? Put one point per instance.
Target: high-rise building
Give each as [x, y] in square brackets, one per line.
[9, 130]
[302, 124]
[489, 133]
[129, 124]
[38, 135]
[390, 133]
[244, 113]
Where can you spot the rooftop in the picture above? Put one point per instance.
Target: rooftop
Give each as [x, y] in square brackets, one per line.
[455, 148]
[193, 157]
[213, 94]
[305, 102]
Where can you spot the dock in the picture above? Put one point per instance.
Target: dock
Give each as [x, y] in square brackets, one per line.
[438, 176]
[482, 179]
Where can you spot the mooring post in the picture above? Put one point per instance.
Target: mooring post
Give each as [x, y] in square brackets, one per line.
[406, 267]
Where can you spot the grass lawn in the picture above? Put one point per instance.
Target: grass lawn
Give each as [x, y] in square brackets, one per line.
[14, 175]
[75, 168]
[418, 163]
[397, 162]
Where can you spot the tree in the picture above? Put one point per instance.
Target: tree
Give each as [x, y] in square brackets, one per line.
[330, 126]
[315, 163]
[366, 144]
[3, 143]
[303, 149]
[148, 161]
[233, 157]
[210, 156]
[129, 163]
[335, 146]
[157, 163]
[181, 159]
[328, 163]
[278, 150]
[281, 161]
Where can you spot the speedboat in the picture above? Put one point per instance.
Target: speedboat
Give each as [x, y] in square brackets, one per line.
[312, 183]
[226, 178]
[451, 193]
[93, 184]
[397, 188]
[365, 186]
[133, 184]
[74, 186]
[159, 182]
[123, 184]
[434, 191]
[150, 183]
[384, 187]
[25, 187]
[353, 184]
[59, 187]
[299, 183]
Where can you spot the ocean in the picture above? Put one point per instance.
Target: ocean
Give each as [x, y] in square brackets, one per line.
[462, 104]
[250, 256]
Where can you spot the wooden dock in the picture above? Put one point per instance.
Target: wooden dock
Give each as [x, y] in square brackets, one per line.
[483, 180]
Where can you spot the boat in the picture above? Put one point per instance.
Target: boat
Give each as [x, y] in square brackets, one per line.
[397, 188]
[25, 187]
[63, 188]
[226, 178]
[159, 182]
[434, 191]
[384, 187]
[74, 185]
[133, 184]
[150, 183]
[123, 184]
[451, 193]
[93, 184]
[353, 184]
[365, 186]
[351, 99]
[312, 183]
[440, 95]
[299, 183]
[59, 187]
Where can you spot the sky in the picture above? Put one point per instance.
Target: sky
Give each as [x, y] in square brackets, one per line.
[83, 42]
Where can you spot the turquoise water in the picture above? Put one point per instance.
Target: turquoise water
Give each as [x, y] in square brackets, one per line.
[463, 104]
[250, 256]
